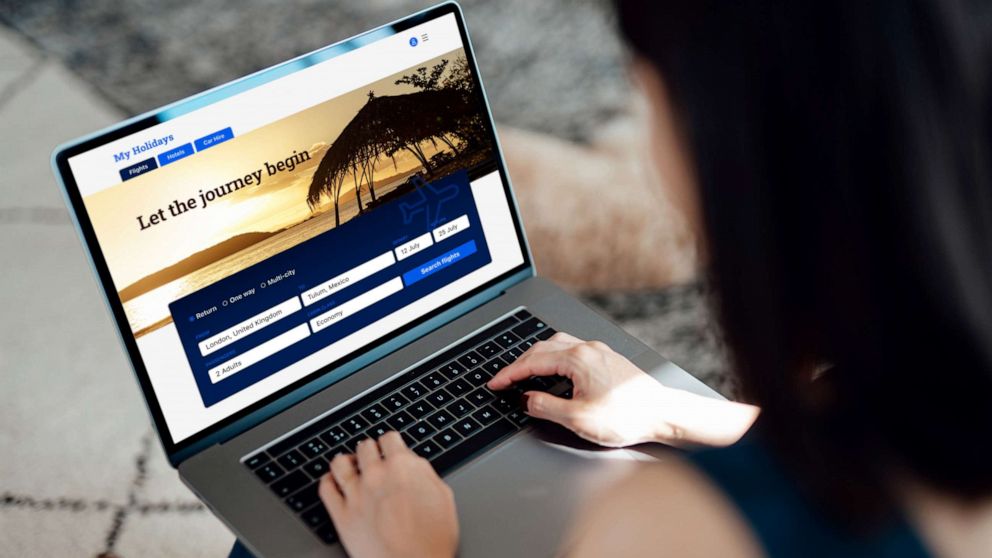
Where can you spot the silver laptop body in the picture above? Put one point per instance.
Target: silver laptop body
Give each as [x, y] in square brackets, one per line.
[260, 380]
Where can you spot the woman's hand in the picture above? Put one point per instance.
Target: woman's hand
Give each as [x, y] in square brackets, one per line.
[387, 501]
[616, 404]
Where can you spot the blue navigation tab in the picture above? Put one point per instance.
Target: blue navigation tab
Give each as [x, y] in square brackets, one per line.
[136, 169]
[213, 139]
[173, 155]
[437, 264]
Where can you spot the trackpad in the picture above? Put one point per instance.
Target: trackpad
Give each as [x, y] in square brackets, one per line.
[520, 499]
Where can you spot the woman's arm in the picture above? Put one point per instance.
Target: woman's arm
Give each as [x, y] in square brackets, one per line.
[616, 404]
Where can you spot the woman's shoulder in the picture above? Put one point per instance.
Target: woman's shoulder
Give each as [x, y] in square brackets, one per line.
[669, 507]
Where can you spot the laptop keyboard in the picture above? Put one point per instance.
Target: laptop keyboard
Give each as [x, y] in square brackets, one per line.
[441, 408]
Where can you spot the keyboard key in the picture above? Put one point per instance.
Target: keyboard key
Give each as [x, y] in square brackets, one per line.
[291, 460]
[447, 438]
[316, 515]
[375, 413]
[546, 333]
[478, 377]
[354, 425]
[421, 430]
[414, 391]
[327, 534]
[481, 396]
[290, 483]
[460, 408]
[439, 398]
[317, 467]
[313, 448]
[483, 438]
[378, 431]
[351, 444]
[395, 403]
[427, 449]
[528, 343]
[459, 387]
[269, 472]
[453, 370]
[434, 380]
[522, 315]
[485, 415]
[335, 451]
[507, 339]
[400, 420]
[466, 427]
[256, 460]
[304, 498]
[440, 419]
[528, 328]
[420, 408]
[512, 354]
[334, 436]
[470, 360]
[531, 384]
[494, 366]
[503, 404]
[489, 350]
[518, 417]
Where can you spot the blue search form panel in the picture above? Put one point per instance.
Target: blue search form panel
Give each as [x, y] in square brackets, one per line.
[323, 291]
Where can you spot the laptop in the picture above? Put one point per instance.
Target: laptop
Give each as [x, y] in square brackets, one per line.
[327, 250]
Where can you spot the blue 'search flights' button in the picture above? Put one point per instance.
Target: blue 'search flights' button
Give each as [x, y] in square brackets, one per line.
[437, 264]
[173, 155]
[213, 139]
[127, 173]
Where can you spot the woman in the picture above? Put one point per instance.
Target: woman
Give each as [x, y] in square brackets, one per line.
[836, 159]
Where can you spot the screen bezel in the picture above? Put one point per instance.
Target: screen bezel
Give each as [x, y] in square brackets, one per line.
[310, 384]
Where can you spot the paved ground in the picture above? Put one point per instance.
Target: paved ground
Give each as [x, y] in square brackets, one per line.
[82, 472]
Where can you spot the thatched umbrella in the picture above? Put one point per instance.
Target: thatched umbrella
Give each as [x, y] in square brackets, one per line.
[382, 127]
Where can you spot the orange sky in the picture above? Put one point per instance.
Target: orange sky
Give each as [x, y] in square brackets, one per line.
[279, 201]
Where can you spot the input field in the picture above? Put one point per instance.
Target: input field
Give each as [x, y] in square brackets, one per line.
[251, 325]
[451, 228]
[357, 304]
[256, 354]
[414, 246]
[349, 277]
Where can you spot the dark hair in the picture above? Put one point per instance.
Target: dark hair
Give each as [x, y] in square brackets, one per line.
[843, 157]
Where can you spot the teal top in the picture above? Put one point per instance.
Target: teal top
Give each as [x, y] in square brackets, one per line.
[785, 522]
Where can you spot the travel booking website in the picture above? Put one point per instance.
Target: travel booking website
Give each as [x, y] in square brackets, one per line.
[260, 238]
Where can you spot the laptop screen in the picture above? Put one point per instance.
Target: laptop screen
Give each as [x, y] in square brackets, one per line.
[255, 240]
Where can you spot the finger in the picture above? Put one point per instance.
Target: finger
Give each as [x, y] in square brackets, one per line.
[563, 337]
[368, 454]
[533, 364]
[392, 444]
[331, 495]
[557, 342]
[548, 407]
[345, 473]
